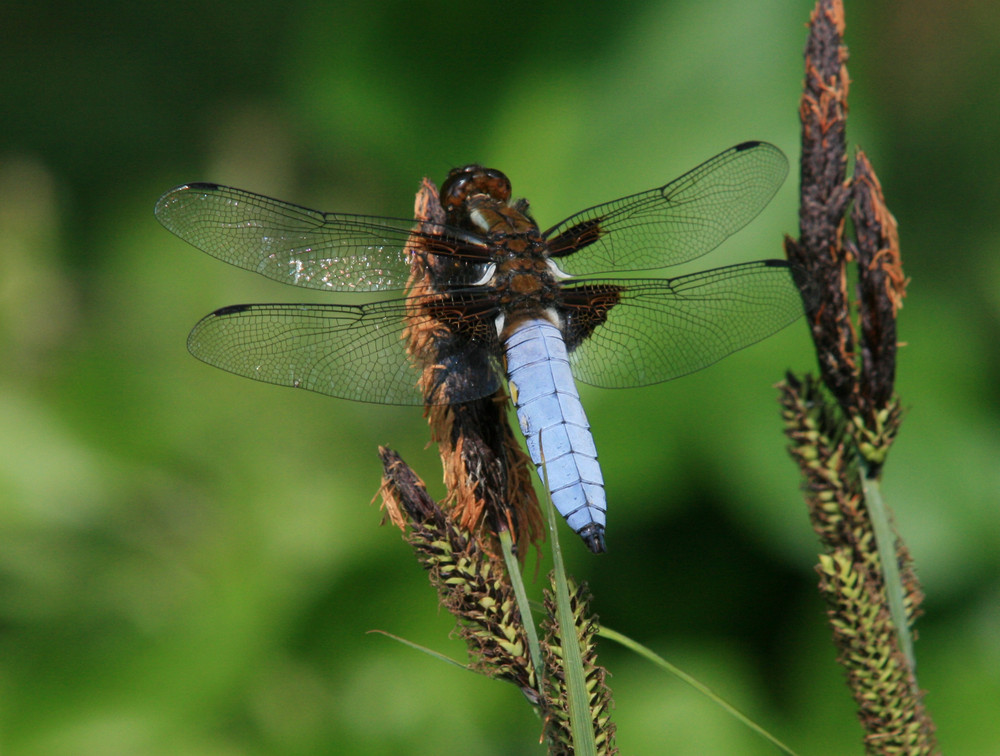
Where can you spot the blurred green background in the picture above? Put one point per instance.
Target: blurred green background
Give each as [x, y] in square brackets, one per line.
[189, 561]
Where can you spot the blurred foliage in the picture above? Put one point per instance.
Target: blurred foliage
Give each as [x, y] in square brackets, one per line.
[189, 560]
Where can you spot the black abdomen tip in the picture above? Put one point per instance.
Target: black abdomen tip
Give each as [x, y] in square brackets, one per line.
[593, 536]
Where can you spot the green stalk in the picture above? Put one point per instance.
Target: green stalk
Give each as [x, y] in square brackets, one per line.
[581, 722]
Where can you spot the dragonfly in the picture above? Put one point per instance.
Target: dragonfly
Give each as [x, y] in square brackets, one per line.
[526, 310]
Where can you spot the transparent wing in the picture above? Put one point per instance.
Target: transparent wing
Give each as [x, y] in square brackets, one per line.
[675, 223]
[665, 328]
[350, 352]
[292, 244]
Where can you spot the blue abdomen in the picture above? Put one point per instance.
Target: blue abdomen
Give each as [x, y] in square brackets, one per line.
[553, 421]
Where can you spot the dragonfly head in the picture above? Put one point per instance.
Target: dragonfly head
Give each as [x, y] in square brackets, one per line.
[472, 180]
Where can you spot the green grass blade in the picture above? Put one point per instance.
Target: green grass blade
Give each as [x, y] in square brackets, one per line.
[424, 649]
[700, 687]
[885, 541]
[523, 606]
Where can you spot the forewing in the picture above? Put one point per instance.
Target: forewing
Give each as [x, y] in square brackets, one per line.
[680, 221]
[292, 244]
[661, 329]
